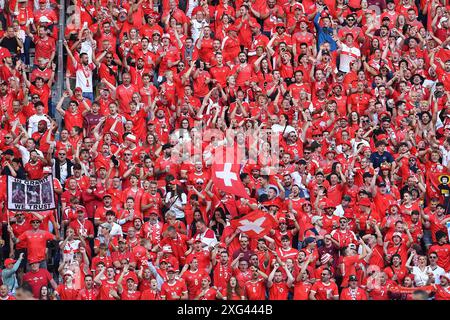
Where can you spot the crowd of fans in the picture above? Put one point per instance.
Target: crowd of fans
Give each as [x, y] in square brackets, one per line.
[336, 111]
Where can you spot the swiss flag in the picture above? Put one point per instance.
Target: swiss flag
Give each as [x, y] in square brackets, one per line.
[256, 224]
[226, 178]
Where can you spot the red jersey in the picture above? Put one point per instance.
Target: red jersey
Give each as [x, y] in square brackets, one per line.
[279, 291]
[170, 291]
[353, 294]
[105, 287]
[194, 282]
[255, 290]
[36, 243]
[88, 294]
[324, 291]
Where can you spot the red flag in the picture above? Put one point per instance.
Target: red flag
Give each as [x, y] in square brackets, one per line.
[256, 224]
[226, 178]
[438, 184]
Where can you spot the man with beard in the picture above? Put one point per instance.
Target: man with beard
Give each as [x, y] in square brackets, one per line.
[84, 71]
[42, 71]
[244, 71]
[258, 38]
[89, 292]
[138, 71]
[108, 68]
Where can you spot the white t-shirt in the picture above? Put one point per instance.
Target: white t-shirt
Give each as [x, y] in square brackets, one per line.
[70, 248]
[33, 122]
[196, 28]
[445, 155]
[437, 274]
[84, 76]
[180, 200]
[348, 54]
[421, 277]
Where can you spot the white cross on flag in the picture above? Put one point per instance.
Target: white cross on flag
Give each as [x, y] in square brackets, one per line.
[226, 178]
[255, 224]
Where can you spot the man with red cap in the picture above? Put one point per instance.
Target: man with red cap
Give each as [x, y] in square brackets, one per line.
[36, 242]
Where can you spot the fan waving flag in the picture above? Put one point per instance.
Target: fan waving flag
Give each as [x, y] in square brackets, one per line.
[226, 178]
[256, 224]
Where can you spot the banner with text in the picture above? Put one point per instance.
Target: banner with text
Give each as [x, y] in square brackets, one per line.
[31, 195]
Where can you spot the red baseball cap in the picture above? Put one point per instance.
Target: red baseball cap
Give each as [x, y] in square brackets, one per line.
[303, 19]
[9, 261]
[365, 202]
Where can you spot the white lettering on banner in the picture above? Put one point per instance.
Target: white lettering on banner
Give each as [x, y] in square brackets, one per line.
[255, 226]
[227, 175]
[31, 195]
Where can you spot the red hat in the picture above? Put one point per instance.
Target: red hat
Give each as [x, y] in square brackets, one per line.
[282, 219]
[166, 35]
[9, 261]
[222, 245]
[330, 150]
[445, 275]
[316, 132]
[171, 269]
[381, 137]
[303, 202]
[385, 166]
[394, 205]
[5, 54]
[348, 143]
[132, 138]
[42, 1]
[365, 202]
[324, 14]
[232, 28]
[78, 89]
[175, 181]
[271, 203]
[303, 19]
[397, 234]
[154, 15]
[31, 261]
[156, 31]
[122, 240]
[254, 24]
[297, 6]
[280, 25]
[154, 211]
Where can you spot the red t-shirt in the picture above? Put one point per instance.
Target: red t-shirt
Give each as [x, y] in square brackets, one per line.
[169, 291]
[37, 280]
[36, 243]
